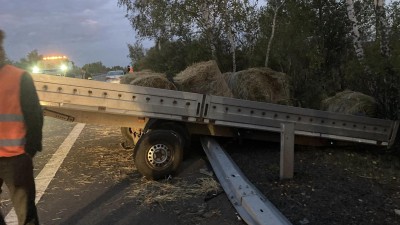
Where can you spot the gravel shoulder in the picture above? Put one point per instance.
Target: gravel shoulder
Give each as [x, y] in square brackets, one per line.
[346, 185]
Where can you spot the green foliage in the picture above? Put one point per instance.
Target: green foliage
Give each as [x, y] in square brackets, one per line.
[95, 68]
[186, 21]
[29, 61]
[8, 61]
[312, 44]
[309, 44]
[117, 68]
[136, 53]
[381, 79]
[172, 57]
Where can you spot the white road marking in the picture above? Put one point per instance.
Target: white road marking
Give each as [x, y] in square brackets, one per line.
[48, 172]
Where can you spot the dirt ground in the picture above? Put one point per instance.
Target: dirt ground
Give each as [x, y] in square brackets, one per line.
[346, 185]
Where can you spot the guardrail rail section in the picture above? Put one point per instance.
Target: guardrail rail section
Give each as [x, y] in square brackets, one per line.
[248, 201]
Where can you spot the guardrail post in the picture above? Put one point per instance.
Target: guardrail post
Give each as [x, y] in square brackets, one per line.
[287, 151]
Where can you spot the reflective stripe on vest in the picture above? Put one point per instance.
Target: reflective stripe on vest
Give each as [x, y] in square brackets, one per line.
[11, 117]
[12, 126]
[12, 143]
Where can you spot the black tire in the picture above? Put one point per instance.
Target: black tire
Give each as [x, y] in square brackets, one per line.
[179, 129]
[158, 154]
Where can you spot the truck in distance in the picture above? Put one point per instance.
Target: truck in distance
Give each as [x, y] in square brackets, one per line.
[53, 65]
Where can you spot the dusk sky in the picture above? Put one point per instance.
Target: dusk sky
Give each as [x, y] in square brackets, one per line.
[86, 31]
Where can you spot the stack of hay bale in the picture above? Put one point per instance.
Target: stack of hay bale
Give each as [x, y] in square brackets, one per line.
[259, 84]
[351, 102]
[148, 79]
[203, 78]
[256, 84]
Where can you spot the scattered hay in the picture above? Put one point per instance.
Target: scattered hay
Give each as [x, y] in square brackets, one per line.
[350, 102]
[203, 78]
[161, 192]
[259, 84]
[129, 77]
[155, 81]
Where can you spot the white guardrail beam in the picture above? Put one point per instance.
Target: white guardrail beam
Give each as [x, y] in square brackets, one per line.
[248, 201]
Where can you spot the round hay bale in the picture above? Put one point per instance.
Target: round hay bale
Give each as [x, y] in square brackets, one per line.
[259, 84]
[129, 77]
[155, 81]
[351, 102]
[203, 78]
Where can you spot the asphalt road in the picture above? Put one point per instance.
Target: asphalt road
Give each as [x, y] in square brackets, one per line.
[92, 180]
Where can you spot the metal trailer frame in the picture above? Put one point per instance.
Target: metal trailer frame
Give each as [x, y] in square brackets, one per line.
[102, 103]
[122, 105]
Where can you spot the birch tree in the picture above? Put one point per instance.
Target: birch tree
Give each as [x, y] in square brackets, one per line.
[234, 18]
[207, 22]
[382, 27]
[355, 32]
[276, 6]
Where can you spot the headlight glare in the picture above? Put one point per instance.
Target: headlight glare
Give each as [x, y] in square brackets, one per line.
[35, 69]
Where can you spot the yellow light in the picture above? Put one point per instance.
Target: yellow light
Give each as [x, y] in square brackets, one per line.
[54, 57]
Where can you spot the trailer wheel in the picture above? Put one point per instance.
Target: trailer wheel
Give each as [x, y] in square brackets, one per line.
[179, 129]
[158, 153]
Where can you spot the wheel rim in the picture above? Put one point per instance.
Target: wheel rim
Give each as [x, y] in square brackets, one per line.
[159, 156]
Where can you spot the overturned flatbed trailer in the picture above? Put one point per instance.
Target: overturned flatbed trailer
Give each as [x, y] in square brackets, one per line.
[162, 121]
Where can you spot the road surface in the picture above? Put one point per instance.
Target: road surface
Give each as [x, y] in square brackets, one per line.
[83, 176]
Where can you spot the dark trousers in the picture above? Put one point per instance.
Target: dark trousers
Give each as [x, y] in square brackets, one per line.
[17, 173]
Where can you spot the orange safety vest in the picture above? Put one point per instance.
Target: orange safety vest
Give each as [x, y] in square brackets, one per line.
[12, 126]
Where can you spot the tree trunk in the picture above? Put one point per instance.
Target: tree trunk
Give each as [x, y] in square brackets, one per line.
[208, 24]
[356, 33]
[233, 48]
[228, 21]
[372, 83]
[382, 27]
[272, 34]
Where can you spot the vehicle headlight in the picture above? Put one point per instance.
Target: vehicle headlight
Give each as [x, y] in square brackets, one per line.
[35, 69]
[63, 67]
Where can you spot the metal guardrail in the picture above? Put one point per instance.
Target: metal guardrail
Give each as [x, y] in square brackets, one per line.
[249, 202]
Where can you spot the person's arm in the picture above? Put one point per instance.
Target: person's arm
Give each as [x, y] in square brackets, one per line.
[33, 115]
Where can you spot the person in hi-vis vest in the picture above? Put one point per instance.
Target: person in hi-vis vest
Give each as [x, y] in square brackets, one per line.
[21, 122]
